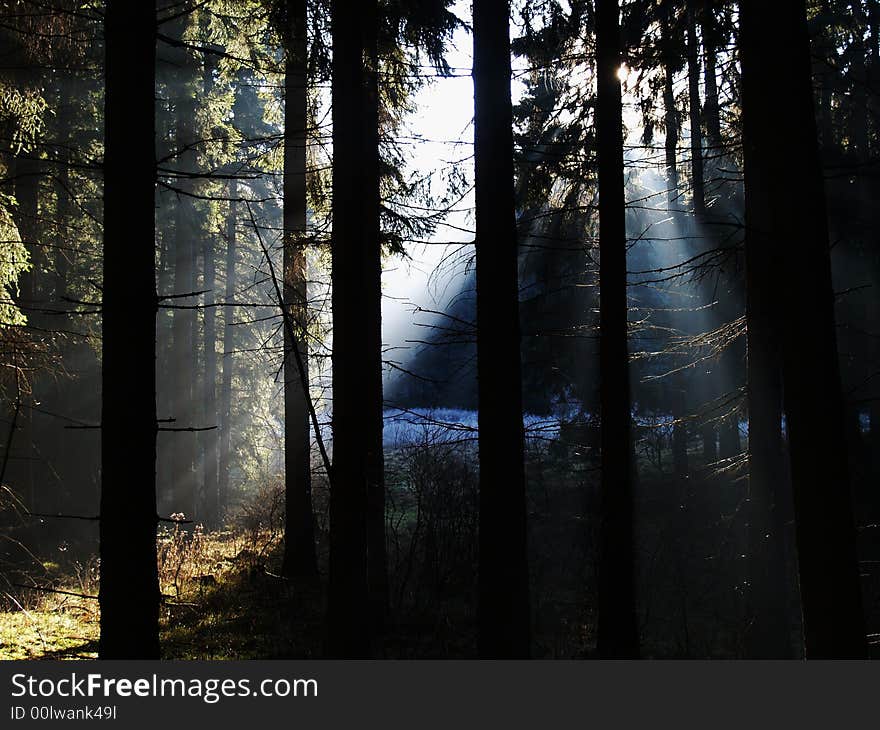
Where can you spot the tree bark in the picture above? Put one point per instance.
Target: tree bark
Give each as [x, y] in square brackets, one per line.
[503, 608]
[618, 636]
[834, 624]
[300, 558]
[208, 416]
[129, 593]
[711, 109]
[768, 629]
[357, 478]
[209, 389]
[225, 446]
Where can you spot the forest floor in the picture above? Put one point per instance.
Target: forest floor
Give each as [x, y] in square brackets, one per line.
[220, 600]
[223, 596]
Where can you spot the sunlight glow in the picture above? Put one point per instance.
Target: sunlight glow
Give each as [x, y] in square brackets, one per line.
[623, 73]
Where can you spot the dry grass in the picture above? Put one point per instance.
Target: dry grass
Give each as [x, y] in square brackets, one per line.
[197, 570]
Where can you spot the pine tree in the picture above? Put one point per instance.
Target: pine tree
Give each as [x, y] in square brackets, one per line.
[618, 630]
[357, 478]
[829, 574]
[300, 559]
[129, 593]
[503, 612]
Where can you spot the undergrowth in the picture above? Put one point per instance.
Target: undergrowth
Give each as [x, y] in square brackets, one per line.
[221, 596]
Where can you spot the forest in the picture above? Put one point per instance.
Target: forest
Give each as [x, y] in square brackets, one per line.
[428, 329]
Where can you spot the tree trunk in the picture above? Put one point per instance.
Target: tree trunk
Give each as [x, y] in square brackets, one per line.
[184, 320]
[503, 610]
[768, 630]
[225, 446]
[129, 593]
[618, 627]
[828, 565]
[208, 416]
[711, 110]
[377, 568]
[300, 559]
[209, 387]
[357, 359]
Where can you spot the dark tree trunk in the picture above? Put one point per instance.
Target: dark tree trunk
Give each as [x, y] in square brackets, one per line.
[225, 446]
[208, 416]
[618, 627]
[372, 429]
[834, 624]
[357, 479]
[129, 594]
[768, 630]
[874, 307]
[166, 385]
[300, 558]
[209, 388]
[503, 610]
[197, 365]
[711, 109]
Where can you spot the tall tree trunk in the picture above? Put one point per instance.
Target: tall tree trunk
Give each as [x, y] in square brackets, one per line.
[768, 630]
[209, 438]
[503, 611]
[300, 558]
[834, 624]
[377, 567]
[618, 627]
[208, 416]
[129, 593]
[357, 359]
[873, 307]
[225, 446]
[166, 384]
[197, 365]
[711, 109]
[184, 321]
